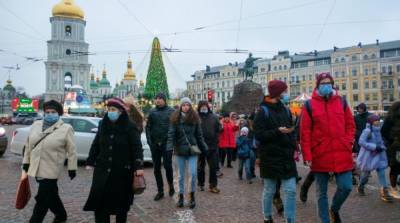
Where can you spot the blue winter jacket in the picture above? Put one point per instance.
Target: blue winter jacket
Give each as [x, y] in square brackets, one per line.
[368, 158]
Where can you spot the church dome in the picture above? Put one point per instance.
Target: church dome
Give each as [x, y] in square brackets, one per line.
[129, 74]
[9, 87]
[67, 8]
[104, 82]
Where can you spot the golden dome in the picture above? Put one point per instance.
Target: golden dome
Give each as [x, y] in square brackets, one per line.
[67, 8]
[129, 74]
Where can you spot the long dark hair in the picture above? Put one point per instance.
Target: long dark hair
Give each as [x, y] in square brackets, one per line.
[191, 116]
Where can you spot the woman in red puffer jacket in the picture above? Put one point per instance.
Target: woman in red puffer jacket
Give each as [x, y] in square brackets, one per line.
[227, 141]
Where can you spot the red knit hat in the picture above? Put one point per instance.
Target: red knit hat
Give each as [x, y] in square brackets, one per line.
[324, 75]
[117, 102]
[276, 88]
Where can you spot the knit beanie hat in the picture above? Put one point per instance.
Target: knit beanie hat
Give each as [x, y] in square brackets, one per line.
[276, 88]
[186, 100]
[52, 104]
[161, 95]
[372, 118]
[322, 76]
[244, 130]
[362, 106]
[118, 103]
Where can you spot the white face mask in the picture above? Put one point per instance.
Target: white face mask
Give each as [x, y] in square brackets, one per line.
[204, 110]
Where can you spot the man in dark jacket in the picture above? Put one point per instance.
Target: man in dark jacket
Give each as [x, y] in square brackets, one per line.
[273, 128]
[211, 128]
[361, 121]
[157, 133]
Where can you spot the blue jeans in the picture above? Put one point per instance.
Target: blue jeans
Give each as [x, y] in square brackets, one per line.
[246, 163]
[381, 176]
[289, 202]
[192, 162]
[344, 186]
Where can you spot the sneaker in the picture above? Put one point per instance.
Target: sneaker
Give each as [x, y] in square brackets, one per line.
[334, 216]
[394, 193]
[361, 190]
[214, 190]
[201, 188]
[385, 196]
[159, 196]
[219, 174]
[229, 166]
[249, 182]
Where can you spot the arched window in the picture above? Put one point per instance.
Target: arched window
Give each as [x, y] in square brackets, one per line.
[68, 30]
[67, 80]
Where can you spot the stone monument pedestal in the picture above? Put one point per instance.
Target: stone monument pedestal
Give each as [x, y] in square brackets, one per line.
[246, 98]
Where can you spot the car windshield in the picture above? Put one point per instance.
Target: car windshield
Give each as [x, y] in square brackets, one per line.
[96, 120]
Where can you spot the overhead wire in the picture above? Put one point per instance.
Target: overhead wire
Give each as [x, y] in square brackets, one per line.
[133, 15]
[324, 24]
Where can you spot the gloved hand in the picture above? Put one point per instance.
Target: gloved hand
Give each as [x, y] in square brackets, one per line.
[25, 167]
[72, 174]
[379, 149]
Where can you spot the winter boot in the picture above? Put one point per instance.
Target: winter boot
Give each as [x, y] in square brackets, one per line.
[171, 190]
[306, 186]
[361, 190]
[159, 196]
[385, 196]
[181, 201]
[334, 216]
[268, 219]
[192, 202]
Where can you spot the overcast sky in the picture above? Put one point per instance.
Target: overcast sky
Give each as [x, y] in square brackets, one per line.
[116, 27]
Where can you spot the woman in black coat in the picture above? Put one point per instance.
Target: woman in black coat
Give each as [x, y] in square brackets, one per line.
[116, 155]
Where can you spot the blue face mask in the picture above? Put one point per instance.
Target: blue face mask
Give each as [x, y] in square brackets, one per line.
[325, 89]
[113, 116]
[376, 128]
[51, 117]
[285, 99]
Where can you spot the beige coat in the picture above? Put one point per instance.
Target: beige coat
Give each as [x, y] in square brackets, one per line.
[47, 159]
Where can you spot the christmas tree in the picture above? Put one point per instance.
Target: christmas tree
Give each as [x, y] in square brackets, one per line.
[156, 80]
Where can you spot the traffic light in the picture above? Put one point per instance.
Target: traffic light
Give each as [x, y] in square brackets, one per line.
[210, 95]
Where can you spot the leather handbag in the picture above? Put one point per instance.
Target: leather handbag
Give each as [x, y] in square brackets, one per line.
[23, 193]
[139, 184]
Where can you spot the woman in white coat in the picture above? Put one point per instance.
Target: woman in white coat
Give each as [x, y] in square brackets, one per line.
[49, 143]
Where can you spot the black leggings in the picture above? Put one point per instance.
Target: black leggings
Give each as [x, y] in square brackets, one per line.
[104, 217]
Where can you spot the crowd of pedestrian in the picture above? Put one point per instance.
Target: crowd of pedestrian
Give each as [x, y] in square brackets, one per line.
[333, 143]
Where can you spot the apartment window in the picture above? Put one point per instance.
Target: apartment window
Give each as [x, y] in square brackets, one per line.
[367, 98]
[337, 60]
[355, 97]
[354, 58]
[390, 69]
[374, 70]
[366, 71]
[336, 74]
[342, 59]
[285, 67]
[218, 94]
[217, 84]
[280, 67]
[262, 70]
[398, 68]
[344, 86]
[365, 57]
[292, 78]
[384, 84]
[374, 84]
[285, 79]
[355, 85]
[343, 74]
[383, 69]
[297, 78]
[275, 68]
[354, 72]
[366, 86]
[223, 83]
[310, 90]
[375, 96]
[373, 56]
[310, 77]
[391, 86]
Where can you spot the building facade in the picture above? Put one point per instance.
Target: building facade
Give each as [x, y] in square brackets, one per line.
[363, 73]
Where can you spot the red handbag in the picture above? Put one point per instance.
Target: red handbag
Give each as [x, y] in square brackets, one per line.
[139, 184]
[23, 193]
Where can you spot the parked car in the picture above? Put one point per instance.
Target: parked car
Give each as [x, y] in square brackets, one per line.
[3, 141]
[85, 130]
[19, 118]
